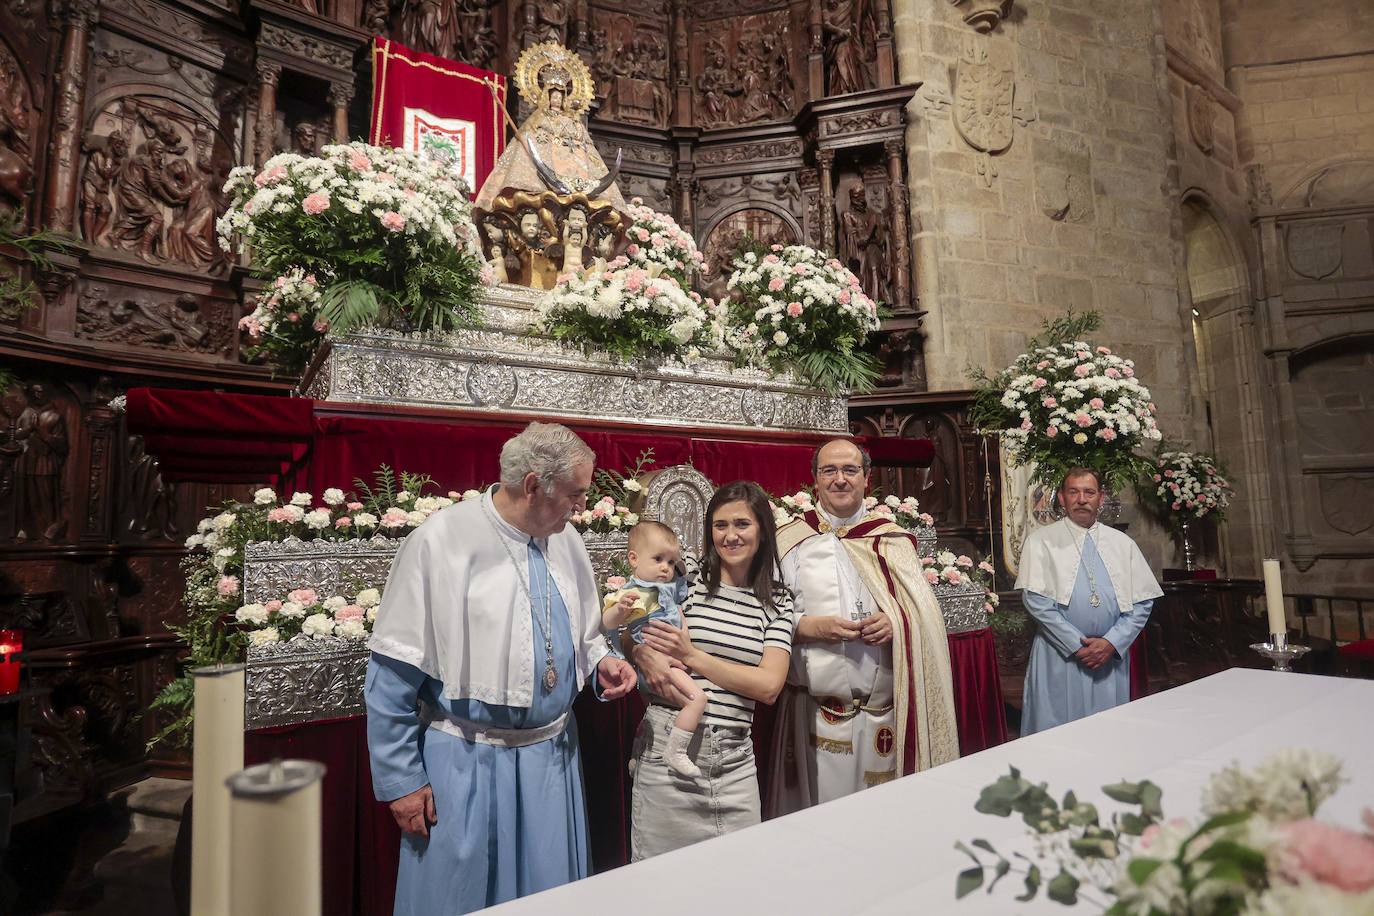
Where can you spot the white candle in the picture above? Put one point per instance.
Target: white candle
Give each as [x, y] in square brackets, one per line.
[217, 752]
[275, 849]
[1273, 598]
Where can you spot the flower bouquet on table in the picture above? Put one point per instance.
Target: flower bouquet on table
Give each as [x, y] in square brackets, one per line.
[656, 240]
[362, 235]
[218, 624]
[631, 312]
[1066, 403]
[797, 309]
[1256, 847]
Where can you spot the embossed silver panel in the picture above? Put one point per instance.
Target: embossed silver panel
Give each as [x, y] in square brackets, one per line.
[604, 548]
[304, 680]
[678, 497]
[271, 568]
[962, 607]
[926, 539]
[503, 367]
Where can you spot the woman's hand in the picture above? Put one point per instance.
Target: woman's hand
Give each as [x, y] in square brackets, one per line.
[669, 640]
[655, 667]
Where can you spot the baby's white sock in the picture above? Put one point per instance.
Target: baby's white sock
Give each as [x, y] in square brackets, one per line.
[675, 755]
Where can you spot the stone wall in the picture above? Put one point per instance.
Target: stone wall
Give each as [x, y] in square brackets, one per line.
[1060, 192]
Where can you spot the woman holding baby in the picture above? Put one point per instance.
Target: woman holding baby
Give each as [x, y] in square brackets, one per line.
[735, 643]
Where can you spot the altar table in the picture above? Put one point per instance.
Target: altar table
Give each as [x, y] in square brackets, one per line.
[890, 849]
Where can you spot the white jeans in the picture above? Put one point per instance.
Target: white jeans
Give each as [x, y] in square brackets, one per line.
[668, 811]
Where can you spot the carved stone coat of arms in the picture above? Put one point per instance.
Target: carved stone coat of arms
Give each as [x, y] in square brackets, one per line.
[983, 95]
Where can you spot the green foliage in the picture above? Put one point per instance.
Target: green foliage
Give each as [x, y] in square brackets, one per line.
[18, 295]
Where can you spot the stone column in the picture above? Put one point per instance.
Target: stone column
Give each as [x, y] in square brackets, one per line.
[825, 159]
[340, 95]
[77, 18]
[269, 74]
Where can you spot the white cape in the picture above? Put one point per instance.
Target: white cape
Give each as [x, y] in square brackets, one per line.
[453, 606]
[1050, 558]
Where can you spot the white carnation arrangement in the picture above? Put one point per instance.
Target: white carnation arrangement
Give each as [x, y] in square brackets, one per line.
[656, 240]
[385, 235]
[1189, 486]
[304, 613]
[631, 312]
[798, 309]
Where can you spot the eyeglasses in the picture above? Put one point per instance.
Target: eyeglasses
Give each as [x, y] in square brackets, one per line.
[849, 470]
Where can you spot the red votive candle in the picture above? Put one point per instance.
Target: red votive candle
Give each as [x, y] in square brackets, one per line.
[11, 644]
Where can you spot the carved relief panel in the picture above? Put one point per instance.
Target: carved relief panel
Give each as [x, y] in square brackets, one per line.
[17, 124]
[462, 30]
[743, 67]
[629, 61]
[150, 184]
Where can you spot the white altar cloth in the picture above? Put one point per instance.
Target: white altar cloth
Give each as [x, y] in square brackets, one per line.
[890, 849]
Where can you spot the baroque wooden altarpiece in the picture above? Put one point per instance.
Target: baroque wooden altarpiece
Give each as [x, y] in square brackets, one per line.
[119, 121]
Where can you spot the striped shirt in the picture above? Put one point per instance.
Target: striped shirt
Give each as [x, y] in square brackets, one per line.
[733, 626]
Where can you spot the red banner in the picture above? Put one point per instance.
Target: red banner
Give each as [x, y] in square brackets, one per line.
[440, 107]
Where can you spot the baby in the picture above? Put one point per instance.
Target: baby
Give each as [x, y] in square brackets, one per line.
[654, 593]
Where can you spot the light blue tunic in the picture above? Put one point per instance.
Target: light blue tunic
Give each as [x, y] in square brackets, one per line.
[511, 821]
[1058, 688]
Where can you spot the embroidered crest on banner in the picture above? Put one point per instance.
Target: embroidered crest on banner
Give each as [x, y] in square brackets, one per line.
[448, 141]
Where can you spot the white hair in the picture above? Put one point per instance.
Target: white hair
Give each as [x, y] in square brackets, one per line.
[547, 450]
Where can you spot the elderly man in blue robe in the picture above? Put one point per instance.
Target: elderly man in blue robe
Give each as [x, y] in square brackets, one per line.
[1090, 591]
[489, 627]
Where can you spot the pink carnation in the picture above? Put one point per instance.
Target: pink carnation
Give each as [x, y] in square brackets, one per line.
[316, 203]
[927, 561]
[350, 612]
[1044, 363]
[305, 596]
[1109, 372]
[227, 586]
[598, 511]
[1104, 351]
[1050, 402]
[280, 514]
[355, 506]
[273, 606]
[1096, 404]
[1106, 434]
[776, 284]
[1128, 372]
[1083, 419]
[1083, 371]
[964, 561]
[794, 309]
[633, 249]
[932, 577]
[615, 583]
[1038, 384]
[642, 233]
[770, 259]
[343, 522]
[1329, 854]
[359, 162]
[251, 325]
[394, 518]
[1026, 424]
[393, 221]
[1051, 430]
[952, 576]
[844, 296]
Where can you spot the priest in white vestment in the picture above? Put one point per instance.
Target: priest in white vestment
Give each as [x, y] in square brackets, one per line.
[1090, 591]
[489, 627]
[869, 695]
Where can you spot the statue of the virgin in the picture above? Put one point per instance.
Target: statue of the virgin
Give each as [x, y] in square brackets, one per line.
[552, 147]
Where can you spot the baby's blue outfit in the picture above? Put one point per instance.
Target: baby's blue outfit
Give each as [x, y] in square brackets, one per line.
[670, 598]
